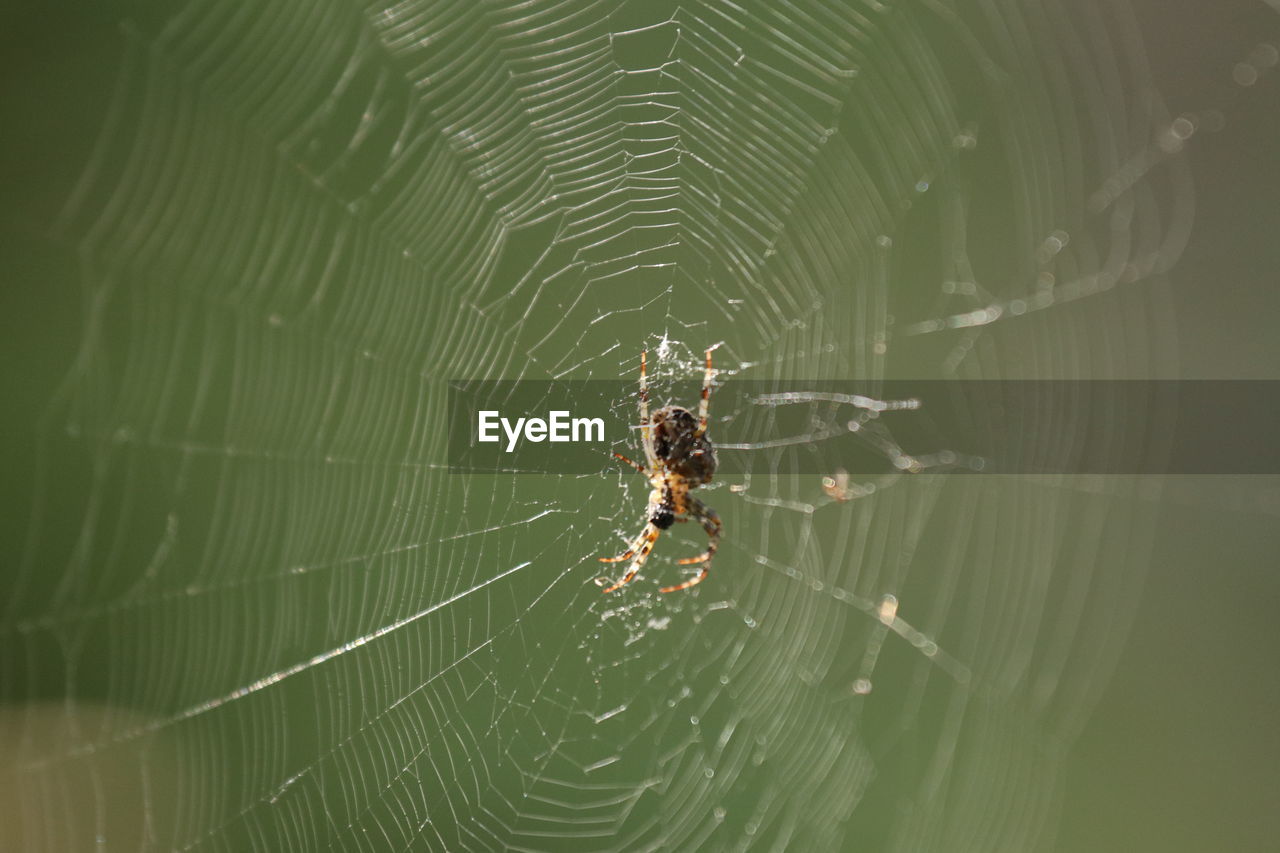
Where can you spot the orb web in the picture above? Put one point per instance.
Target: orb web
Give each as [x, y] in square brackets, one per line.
[280, 615]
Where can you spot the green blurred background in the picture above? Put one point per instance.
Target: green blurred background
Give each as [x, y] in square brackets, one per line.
[244, 604]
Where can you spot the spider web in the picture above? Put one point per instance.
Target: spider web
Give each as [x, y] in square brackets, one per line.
[254, 609]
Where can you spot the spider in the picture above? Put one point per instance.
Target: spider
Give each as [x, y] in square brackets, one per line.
[678, 457]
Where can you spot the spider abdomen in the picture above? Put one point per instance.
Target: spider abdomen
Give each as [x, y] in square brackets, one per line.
[681, 449]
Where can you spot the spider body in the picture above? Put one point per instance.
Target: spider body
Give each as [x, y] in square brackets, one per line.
[679, 456]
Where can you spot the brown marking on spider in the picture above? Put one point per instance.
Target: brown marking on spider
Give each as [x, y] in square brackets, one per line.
[678, 457]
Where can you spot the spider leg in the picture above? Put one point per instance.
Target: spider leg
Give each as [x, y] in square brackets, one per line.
[646, 431]
[632, 463]
[693, 581]
[705, 403]
[640, 549]
[625, 555]
[711, 524]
